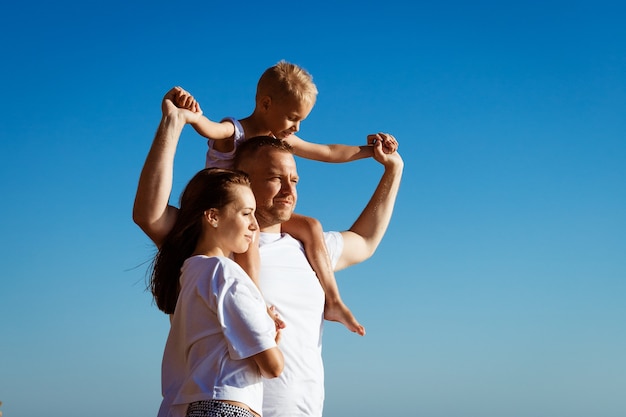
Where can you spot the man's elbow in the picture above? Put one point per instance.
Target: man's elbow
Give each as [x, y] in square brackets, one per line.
[148, 227]
[368, 246]
[137, 218]
[141, 220]
[367, 253]
[356, 249]
[352, 258]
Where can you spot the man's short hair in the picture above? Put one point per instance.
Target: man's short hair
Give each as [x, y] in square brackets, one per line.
[249, 149]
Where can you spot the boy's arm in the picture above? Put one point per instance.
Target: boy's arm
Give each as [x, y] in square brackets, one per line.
[203, 125]
[214, 130]
[341, 153]
[362, 239]
[151, 211]
[328, 153]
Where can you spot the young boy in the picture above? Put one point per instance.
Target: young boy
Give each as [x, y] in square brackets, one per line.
[285, 96]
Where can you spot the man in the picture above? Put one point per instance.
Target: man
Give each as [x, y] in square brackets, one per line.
[287, 279]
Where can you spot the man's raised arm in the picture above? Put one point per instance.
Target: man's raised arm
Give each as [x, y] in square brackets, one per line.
[362, 239]
[151, 211]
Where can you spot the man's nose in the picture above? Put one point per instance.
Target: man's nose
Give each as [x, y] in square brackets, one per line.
[288, 187]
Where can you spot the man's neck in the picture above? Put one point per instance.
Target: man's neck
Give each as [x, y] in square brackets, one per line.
[270, 229]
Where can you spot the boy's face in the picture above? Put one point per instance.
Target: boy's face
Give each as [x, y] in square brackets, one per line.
[283, 116]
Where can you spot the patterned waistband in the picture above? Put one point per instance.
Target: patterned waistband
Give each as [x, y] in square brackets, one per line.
[214, 408]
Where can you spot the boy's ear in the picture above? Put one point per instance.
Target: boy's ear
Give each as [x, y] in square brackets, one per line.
[266, 102]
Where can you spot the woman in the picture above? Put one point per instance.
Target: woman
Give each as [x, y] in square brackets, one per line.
[221, 339]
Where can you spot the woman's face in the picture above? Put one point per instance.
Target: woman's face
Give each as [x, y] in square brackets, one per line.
[237, 226]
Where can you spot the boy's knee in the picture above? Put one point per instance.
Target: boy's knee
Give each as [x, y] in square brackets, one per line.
[313, 224]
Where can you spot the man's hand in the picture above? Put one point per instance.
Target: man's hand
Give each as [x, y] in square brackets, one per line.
[389, 143]
[179, 103]
[382, 152]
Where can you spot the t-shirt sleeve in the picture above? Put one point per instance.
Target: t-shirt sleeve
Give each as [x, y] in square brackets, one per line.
[334, 244]
[217, 159]
[239, 135]
[242, 312]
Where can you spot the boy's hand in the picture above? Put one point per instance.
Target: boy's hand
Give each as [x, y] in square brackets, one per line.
[184, 100]
[388, 159]
[389, 143]
[190, 111]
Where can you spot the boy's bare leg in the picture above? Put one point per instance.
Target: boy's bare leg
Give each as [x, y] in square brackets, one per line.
[250, 261]
[309, 232]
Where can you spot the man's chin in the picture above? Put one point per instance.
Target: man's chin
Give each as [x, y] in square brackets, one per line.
[275, 218]
[283, 216]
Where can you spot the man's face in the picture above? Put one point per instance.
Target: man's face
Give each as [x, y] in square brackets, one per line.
[273, 178]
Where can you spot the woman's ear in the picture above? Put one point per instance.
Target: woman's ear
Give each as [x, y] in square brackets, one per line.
[211, 216]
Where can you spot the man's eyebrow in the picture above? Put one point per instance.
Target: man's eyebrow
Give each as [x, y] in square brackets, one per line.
[274, 171]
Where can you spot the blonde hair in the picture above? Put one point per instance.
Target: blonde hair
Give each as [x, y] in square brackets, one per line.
[287, 81]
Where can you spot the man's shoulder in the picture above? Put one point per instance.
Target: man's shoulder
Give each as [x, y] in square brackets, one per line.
[283, 243]
[276, 238]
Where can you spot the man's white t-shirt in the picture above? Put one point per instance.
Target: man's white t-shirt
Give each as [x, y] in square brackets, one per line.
[289, 283]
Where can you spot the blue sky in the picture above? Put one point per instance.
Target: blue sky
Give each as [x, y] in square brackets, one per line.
[499, 289]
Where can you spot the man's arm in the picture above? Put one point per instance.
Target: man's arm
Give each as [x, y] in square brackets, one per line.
[362, 239]
[151, 211]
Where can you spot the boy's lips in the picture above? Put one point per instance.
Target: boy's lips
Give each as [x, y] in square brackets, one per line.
[285, 134]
